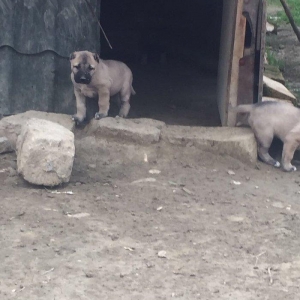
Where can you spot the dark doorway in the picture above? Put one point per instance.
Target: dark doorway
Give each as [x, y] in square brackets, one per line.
[172, 47]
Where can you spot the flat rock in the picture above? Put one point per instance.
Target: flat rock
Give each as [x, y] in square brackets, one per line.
[5, 145]
[278, 205]
[236, 219]
[276, 100]
[274, 73]
[236, 142]
[141, 131]
[274, 89]
[45, 152]
[10, 127]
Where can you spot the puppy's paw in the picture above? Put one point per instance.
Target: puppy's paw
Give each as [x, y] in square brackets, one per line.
[277, 164]
[124, 111]
[99, 116]
[77, 119]
[290, 169]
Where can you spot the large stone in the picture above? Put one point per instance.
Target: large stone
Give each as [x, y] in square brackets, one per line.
[239, 143]
[5, 145]
[10, 127]
[141, 131]
[45, 152]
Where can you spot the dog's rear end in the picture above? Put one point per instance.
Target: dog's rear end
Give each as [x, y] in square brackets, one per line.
[268, 119]
[122, 77]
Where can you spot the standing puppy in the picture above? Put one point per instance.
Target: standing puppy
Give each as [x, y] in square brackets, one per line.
[268, 119]
[92, 76]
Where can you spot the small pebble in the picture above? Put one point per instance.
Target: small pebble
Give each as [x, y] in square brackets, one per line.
[162, 254]
[230, 172]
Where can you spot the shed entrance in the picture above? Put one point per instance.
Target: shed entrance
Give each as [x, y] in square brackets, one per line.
[172, 47]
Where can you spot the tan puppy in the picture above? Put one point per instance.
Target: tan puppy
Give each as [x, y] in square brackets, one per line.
[268, 119]
[92, 76]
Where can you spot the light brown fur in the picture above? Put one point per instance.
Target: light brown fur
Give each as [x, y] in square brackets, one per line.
[269, 119]
[92, 76]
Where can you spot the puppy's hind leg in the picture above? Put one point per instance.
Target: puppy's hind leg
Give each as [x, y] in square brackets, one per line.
[290, 145]
[125, 104]
[264, 140]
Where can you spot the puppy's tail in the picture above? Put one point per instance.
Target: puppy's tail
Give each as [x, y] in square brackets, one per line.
[242, 109]
[132, 91]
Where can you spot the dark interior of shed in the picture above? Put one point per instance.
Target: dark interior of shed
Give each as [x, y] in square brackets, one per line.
[172, 48]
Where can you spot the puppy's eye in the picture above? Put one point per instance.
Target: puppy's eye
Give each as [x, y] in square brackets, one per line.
[91, 67]
[76, 66]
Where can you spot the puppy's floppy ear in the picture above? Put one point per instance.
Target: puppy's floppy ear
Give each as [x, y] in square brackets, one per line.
[72, 56]
[96, 57]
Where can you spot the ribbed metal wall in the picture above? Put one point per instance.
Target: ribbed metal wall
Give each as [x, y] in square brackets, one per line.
[36, 39]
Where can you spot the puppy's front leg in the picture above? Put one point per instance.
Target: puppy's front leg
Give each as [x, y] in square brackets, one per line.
[103, 102]
[80, 106]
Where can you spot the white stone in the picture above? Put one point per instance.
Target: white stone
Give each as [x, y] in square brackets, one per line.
[45, 152]
[270, 27]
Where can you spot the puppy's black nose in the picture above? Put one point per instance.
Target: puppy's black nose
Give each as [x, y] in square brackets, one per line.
[83, 79]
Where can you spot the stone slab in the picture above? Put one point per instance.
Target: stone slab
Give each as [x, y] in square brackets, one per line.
[236, 142]
[141, 131]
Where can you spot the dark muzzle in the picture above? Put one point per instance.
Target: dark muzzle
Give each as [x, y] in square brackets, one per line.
[82, 78]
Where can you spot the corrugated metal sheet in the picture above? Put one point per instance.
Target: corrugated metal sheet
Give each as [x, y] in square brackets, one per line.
[39, 35]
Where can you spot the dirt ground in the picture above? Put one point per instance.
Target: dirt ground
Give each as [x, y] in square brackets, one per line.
[190, 232]
[221, 240]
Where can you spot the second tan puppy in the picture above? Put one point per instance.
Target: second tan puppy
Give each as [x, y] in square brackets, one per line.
[92, 76]
[268, 119]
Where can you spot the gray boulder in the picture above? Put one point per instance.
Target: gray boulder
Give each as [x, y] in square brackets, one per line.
[10, 127]
[5, 145]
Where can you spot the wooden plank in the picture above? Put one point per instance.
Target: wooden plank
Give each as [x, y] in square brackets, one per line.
[228, 63]
[261, 46]
[238, 52]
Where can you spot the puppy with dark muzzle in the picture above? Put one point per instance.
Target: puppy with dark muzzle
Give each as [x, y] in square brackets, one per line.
[271, 118]
[94, 77]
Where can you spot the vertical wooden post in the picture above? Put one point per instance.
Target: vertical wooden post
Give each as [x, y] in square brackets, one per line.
[238, 52]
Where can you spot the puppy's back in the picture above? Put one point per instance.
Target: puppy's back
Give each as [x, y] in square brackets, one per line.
[279, 117]
[117, 68]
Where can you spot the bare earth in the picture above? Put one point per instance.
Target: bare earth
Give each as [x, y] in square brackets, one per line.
[222, 240]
